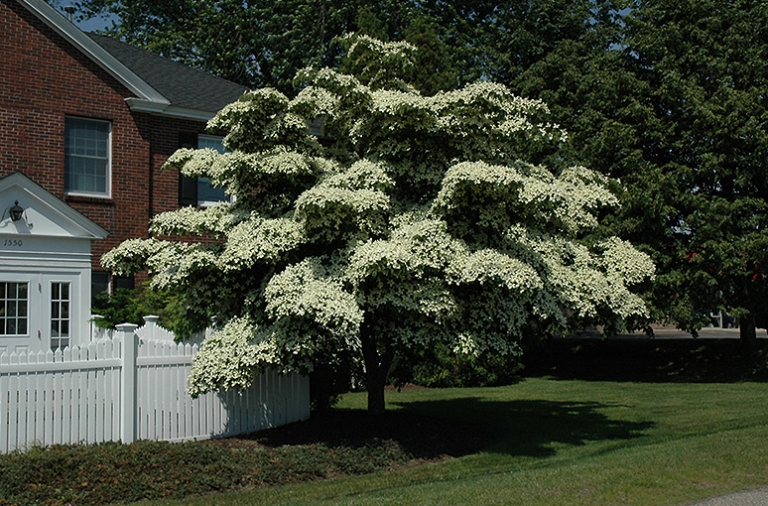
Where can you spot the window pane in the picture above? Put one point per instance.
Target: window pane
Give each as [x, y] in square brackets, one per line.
[209, 142]
[207, 194]
[60, 302]
[13, 308]
[86, 149]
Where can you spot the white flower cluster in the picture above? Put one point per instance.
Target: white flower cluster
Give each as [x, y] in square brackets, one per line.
[491, 266]
[420, 249]
[327, 213]
[622, 260]
[230, 358]
[306, 291]
[259, 240]
[590, 282]
[216, 220]
[523, 193]
[131, 256]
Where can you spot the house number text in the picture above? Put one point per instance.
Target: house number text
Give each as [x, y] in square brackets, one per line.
[13, 243]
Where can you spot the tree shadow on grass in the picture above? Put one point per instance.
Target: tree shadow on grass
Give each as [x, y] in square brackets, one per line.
[533, 428]
[432, 430]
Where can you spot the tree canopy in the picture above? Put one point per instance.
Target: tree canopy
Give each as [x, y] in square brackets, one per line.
[412, 221]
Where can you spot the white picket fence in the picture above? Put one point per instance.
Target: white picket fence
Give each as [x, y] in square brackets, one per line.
[128, 387]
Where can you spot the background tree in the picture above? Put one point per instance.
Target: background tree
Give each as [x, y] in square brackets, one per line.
[416, 224]
[256, 43]
[675, 106]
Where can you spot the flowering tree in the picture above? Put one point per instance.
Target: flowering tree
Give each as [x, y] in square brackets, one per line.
[410, 222]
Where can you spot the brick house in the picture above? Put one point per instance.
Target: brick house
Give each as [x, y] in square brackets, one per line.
[87, 123]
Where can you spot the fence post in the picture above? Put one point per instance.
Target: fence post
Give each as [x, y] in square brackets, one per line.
[150, 327]
[127, 333]
[93, 326]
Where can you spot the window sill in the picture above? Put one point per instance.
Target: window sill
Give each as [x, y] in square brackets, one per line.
[89, 199]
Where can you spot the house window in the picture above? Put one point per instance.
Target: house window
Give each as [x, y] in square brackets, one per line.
[99, 285]
[198, 191]
[87, 157]
[14, 302]
[207, 195]
[60, 301]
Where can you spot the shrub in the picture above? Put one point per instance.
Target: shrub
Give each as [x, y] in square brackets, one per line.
[113, 472]
[130, 306]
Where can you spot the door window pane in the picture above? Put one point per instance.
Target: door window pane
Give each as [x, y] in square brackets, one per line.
[59, 315]
[13, 308]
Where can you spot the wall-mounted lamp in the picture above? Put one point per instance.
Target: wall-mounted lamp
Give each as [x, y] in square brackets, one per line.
[16, 211]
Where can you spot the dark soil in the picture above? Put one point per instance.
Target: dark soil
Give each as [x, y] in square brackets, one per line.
[427, 439]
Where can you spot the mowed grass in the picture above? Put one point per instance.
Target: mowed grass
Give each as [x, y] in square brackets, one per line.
[566, 442]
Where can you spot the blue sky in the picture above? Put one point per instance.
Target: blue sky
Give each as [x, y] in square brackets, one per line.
[89, 25]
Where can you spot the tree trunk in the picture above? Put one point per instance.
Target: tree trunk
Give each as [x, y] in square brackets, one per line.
[748, 332]
[376, 402]
[377, 365]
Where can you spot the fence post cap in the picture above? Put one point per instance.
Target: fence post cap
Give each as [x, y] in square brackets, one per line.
[126, 327]
[151, 318]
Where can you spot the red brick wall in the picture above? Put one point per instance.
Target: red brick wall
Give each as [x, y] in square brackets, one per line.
[43, 79]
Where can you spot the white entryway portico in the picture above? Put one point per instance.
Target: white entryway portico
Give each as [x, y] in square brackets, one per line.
[45, 268]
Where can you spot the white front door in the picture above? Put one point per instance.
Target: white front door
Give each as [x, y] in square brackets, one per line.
[36, 311]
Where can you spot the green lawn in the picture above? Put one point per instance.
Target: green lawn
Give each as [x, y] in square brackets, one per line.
[567, 442]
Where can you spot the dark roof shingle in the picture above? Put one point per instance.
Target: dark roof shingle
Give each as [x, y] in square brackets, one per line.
[182, 85]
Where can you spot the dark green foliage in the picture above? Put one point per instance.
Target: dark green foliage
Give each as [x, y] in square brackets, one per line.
[441, 368]
[131, 306]
[330, 378]
[678, 360]
[112, 472]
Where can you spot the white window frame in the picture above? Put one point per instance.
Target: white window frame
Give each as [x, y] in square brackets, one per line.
[107, 193]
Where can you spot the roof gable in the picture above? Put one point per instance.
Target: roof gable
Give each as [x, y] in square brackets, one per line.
[44, 214]
[159, 84]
